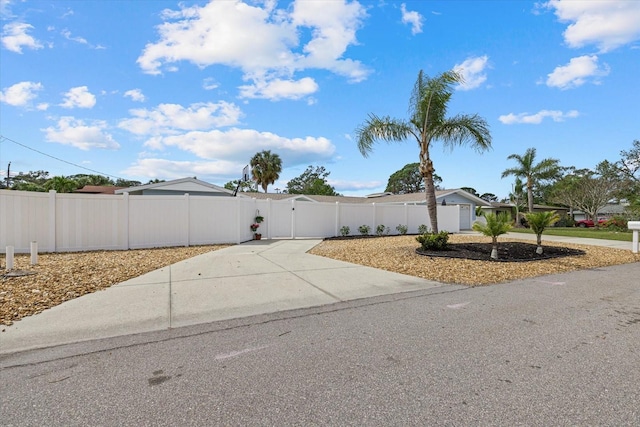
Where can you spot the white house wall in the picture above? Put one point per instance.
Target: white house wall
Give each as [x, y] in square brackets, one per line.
[77, 222]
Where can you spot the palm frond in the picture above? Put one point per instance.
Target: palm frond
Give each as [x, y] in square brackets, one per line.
[381, 129]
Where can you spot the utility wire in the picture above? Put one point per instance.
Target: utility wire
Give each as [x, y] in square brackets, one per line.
[4, 138]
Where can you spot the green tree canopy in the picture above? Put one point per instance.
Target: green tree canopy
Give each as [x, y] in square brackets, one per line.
[61, 184]
[265, 168]
[532, 173]
[245, 186]
[312, 181]
[428, 122]
[409, 180]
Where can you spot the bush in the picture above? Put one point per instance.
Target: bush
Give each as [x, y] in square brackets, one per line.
[422, 229]
[364, 229]
[402, 229]
[617, 223]
[344, 231]
[565, 221]
[381, 230]
[434, 241]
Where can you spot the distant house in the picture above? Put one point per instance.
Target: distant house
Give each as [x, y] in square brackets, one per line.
[608, 211]
[177, 187]
[466, 201]
[98, 189]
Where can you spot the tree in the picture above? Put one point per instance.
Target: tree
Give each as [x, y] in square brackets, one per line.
[516, 198]
[127, 183]
[265, 168]
[538, 221]
[533, 173]
[494, 227]
[409, 180]
[30, 181]
[427, 122]
[586, 191]
[61, 184]
[312, 181]
[489, 197]
[245, 186]
[470, 190]
[85, 179]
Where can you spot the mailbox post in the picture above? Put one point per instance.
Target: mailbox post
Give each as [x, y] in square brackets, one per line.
[635, 227]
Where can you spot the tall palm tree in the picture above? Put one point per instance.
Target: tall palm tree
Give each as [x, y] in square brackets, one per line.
[428, 122]
[533, 173]
[265, 168]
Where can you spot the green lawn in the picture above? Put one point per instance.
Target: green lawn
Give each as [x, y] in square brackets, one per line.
[591, 233]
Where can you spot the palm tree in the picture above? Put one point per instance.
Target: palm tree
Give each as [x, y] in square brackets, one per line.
[61, 184]
[428, 122]
[495, 226]
[265, 168]
[533, 173]
[538, 221]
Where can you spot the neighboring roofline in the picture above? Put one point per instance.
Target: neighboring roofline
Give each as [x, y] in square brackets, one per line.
[172, 182]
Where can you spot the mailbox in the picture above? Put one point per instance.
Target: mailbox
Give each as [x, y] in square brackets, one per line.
[635, 227]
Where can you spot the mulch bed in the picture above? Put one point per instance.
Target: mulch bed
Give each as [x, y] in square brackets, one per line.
[507, 252]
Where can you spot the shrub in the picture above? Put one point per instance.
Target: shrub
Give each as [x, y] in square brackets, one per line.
[434, 241]
[344, 231]
[364, 229]
[565, 221]
[617, 223]
[422, 229]
[402, 229]
[381, 230]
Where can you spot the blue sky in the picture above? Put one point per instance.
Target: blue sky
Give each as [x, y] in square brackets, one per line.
[166, 89]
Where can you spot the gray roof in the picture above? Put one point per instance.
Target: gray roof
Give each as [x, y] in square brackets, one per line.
[182, 184]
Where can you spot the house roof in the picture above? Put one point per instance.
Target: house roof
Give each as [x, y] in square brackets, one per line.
[182, 184]
[98, 189]
[381, 198]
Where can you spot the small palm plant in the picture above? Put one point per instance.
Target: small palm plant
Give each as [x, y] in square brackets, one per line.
[495, 226]
[538, 221]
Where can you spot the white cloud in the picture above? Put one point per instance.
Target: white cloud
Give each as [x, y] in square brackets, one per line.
[135, 95]
[241, 144]
[577, 72]
[342, 185]
[20, 94]
[472, 70]
[607, 24]
[537, 118]
[15, 37]
[413, 18]
[173, 118]
[209, 84]
[279, 89]
[79, 97]
[273, 50]
[67, 35]
[75, 132]
[43, 106]
[171, 169]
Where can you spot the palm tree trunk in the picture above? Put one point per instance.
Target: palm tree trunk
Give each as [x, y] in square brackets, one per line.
[530, 196]
[426, 168]
[539, 241]
[494, 248]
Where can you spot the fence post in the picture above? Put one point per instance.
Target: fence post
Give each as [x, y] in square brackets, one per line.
[293, 218]
[373, 227]
[187, 219]
[125, 198]
[406, 216]
[237, 219]
[337, 219]
[52, 220]
[268, 219]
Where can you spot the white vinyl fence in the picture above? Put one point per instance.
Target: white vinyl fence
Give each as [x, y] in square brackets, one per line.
[82, 222]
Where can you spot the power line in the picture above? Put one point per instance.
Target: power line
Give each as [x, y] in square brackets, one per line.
[4, 138]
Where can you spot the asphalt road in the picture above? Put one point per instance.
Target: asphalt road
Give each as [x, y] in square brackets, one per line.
[558, 350]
